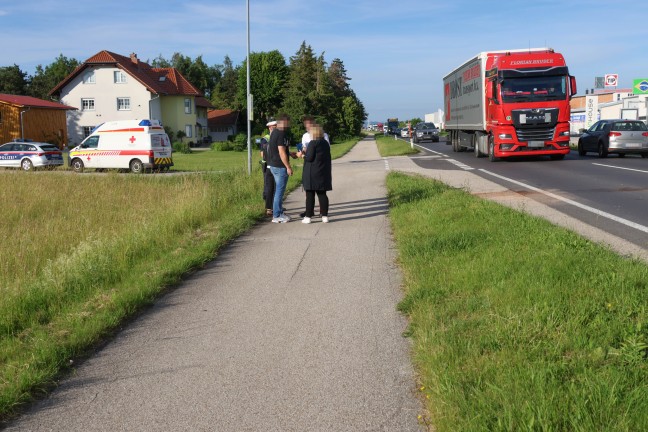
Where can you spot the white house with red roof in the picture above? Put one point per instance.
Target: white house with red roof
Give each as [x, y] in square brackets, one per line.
[109, 86]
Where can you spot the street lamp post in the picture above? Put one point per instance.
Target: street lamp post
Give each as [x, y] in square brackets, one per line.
[249, 96]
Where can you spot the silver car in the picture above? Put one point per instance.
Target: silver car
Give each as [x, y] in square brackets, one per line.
[30, 155]
[615, 136]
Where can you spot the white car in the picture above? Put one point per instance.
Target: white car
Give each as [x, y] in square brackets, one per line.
[30, 155]
[405, 133]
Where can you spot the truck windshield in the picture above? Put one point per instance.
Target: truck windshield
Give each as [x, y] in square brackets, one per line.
[541, 88]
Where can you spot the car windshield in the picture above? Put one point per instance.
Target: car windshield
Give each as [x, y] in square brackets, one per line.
[542, 88]
[427, 126]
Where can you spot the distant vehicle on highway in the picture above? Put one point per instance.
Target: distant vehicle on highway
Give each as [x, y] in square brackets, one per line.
[30, 155]
[405, 133]
[615, 136]
[425, 131]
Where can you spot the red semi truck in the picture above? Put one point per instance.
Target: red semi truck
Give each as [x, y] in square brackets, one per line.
[510, 103]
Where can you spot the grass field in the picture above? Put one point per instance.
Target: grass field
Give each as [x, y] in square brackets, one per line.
[388, 146]
[518, 325]
[83, 252]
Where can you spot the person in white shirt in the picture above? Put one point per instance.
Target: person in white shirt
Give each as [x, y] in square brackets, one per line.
[309, 122]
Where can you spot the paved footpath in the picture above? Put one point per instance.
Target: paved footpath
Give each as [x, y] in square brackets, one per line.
[292, 328]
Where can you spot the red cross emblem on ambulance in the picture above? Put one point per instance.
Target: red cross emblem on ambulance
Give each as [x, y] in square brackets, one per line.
[132, 139]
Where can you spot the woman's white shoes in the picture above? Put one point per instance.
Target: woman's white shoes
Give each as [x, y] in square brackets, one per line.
[306, 220]
[325, 219]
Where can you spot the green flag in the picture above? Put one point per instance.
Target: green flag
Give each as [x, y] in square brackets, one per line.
[640, 86]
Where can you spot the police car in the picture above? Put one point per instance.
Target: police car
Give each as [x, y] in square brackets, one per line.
[30, 155]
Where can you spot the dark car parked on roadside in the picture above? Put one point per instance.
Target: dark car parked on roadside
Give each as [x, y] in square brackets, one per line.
[615, 136]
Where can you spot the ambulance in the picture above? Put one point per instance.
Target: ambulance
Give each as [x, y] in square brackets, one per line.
[137, 145]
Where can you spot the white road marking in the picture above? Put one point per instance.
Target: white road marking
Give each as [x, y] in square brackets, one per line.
[461, 165]
[431, 151]
[623, 168]
[574, 203]
[455, 162]
[386, 164]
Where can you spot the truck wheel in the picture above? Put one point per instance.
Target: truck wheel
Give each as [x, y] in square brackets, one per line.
[602, 151]
[478, 154]
[26, 165]
[581, 150]
[77, 165]
[136, 166]
[491, 149]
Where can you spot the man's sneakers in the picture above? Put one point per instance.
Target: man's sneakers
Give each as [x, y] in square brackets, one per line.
[325, 219]
[283, 218]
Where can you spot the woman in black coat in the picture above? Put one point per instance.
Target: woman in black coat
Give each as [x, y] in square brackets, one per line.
[316, 177]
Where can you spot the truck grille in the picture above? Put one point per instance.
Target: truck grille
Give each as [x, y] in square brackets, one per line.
[544, 134]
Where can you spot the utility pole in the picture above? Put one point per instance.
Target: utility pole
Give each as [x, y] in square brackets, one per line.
[249, 96]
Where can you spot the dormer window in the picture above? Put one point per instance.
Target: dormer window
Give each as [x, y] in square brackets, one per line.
[120, 77]
[162, 78]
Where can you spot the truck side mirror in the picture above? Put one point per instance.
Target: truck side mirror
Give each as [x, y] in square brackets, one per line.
[572, 85]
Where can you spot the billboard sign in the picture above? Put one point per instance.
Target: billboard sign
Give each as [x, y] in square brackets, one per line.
[640, 86]
[611, 80]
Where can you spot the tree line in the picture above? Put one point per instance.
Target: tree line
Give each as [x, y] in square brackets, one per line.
[304, 84]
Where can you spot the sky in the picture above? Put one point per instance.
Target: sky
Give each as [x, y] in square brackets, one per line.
[395, 52]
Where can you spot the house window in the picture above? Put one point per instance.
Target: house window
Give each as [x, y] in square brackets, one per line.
[87, 105]
[87, 130]
[123, 104]
[120, 77]
[89, 78]
[188, 131]
[187, 105]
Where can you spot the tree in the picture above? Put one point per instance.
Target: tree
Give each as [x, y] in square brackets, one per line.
[268, 75]
[45, 79]
[301, 89]
[225, 91]
[13, 80]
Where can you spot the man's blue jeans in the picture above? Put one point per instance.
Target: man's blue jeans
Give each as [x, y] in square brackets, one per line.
[281, 179]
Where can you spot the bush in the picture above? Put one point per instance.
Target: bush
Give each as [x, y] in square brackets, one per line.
[181, 147]
[240, 142]
[222, 146]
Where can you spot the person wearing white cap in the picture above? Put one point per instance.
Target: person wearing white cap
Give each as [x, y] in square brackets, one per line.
[279, 164]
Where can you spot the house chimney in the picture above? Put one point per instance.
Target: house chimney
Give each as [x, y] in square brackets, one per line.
[134, 58]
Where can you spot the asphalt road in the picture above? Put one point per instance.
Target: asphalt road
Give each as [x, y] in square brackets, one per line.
[610, 194]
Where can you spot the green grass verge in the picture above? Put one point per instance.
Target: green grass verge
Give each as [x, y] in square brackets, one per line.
[518, 324]
[101, 247]
[212, 160]
[388, 146]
